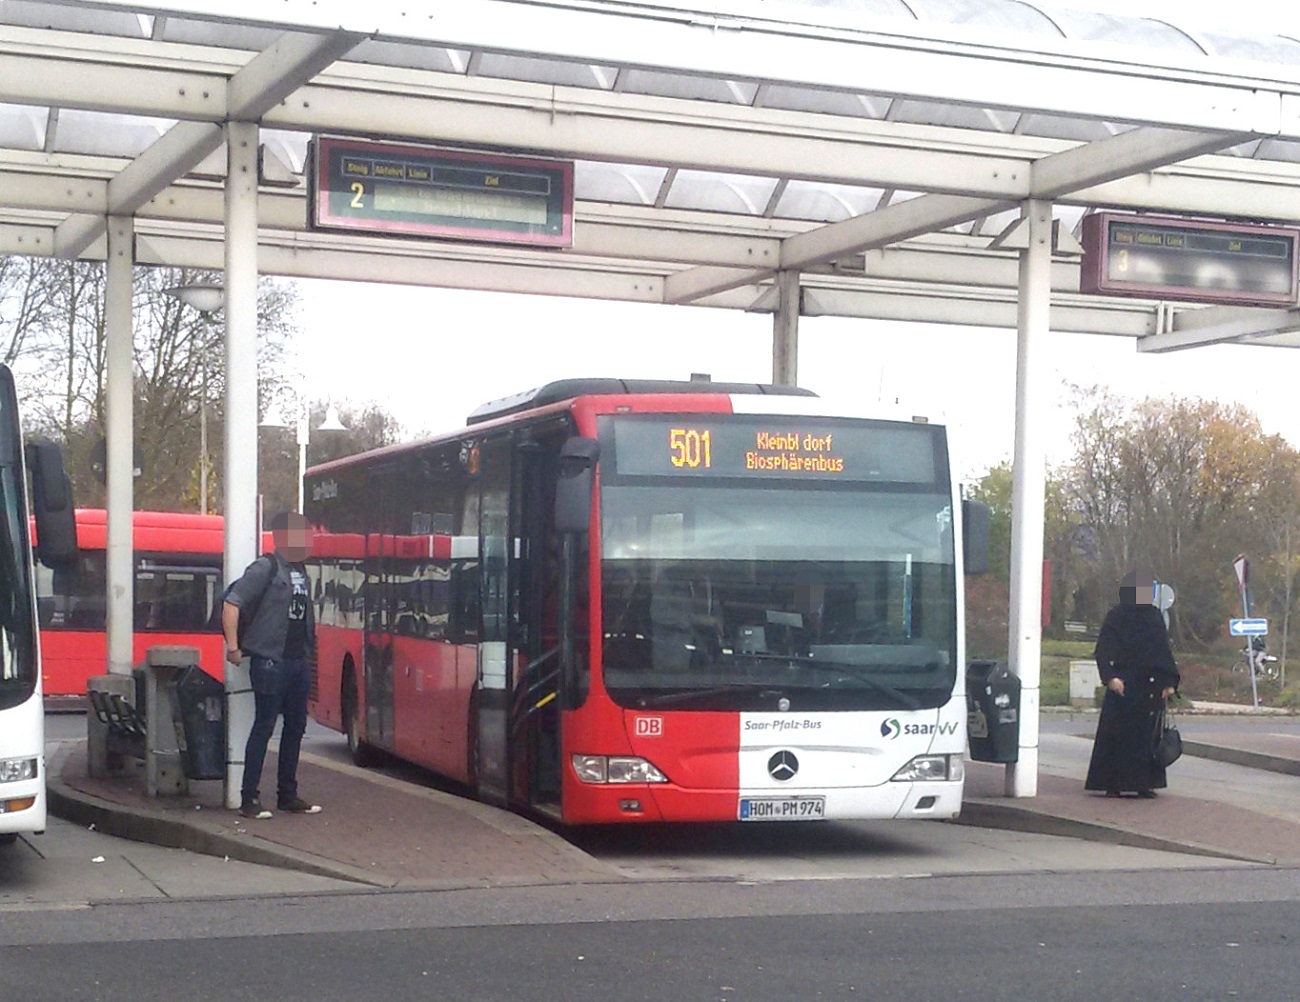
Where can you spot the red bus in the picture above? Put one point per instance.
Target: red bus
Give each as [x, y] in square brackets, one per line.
[609, 601]
[178, 580]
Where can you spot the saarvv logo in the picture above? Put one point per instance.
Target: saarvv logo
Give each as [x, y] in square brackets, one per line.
[890, 729]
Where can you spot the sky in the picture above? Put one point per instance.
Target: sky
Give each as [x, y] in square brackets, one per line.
[430, 356]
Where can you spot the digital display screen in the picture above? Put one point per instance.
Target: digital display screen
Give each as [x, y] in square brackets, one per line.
[426, 192]
[772, 448]
[1155, 257]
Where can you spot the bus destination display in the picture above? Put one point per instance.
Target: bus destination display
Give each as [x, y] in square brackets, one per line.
[773, 449]
[425, 192]
[1152, 257]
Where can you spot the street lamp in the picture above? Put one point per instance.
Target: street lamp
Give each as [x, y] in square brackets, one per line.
[207, 298]
[331, 423]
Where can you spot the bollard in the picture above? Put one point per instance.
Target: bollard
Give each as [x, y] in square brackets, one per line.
[164, 772]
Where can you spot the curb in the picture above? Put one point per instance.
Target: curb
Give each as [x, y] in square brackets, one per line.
[990, 814]
[152, 827]
[1240, 756]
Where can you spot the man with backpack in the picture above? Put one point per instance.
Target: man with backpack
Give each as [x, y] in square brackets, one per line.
[267, 616]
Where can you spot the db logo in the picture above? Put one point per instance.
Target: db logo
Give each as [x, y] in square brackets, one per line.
[649, 727]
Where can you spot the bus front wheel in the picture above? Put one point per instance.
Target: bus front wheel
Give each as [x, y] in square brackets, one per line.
[362, 753]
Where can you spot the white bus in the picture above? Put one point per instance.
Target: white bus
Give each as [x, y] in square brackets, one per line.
[22, 721]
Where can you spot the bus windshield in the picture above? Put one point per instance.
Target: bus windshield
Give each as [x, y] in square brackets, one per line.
[736, 594]
[17, 656]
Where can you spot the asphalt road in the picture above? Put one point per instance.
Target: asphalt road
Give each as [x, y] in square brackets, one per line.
[850, 915]
[1192, 935]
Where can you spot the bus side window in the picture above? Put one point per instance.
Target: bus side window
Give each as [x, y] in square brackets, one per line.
[465, 601]
[49, 608]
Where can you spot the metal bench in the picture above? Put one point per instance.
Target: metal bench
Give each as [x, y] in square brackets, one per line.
[124, 723]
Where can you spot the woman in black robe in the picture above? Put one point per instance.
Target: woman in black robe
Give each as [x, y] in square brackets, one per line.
[1137, 667]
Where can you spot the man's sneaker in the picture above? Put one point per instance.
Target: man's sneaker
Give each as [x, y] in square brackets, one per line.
[254, 809]
[299, 806]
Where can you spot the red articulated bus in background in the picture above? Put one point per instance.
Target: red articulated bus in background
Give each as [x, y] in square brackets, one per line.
[628, 601]
[178, 582]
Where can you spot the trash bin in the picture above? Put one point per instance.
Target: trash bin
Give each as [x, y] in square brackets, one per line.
[993, 712]
[199, 707]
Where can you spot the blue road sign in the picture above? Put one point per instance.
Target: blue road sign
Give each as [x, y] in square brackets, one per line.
[1248, 627]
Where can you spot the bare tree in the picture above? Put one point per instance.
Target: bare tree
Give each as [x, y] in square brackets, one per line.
[52, 326]
[1176, 485]
[367, 427]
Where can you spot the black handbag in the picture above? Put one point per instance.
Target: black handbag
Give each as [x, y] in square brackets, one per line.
[1169, 743]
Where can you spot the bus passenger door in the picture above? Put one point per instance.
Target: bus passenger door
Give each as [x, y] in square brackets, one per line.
[492, 766]
[377, 669]
[535, 713]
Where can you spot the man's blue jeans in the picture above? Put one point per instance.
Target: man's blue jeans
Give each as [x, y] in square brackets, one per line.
[279, 689]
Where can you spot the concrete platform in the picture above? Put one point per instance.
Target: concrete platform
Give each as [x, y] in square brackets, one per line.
[373, 830]
[1234, 795]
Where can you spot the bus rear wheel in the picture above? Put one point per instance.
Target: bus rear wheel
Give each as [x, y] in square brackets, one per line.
[362, 753]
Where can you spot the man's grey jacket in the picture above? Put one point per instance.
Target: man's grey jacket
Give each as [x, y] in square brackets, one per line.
[268, 577]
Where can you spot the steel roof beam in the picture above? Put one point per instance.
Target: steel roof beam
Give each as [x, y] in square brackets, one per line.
[177, 151]
[274, 73]
[87, 80]
[267, 79]
[1206, 186]
[374, 261]
[1121, 156]
[581, 123]
[1220, 325]
[912, 285]
[623, 128]
[1139, 150]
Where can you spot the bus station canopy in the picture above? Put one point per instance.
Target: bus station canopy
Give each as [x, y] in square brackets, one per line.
[880, 149]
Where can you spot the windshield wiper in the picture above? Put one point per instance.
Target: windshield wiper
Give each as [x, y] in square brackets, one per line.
[832, 667]
[690, 695]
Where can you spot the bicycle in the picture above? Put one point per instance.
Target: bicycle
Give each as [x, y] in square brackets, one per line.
[1262, 663]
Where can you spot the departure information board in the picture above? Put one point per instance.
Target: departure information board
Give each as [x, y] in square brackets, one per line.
[422, 191]
[707, 446]
[1154, 257]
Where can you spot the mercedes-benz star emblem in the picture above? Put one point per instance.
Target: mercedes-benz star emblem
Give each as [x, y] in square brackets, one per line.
[782, 766]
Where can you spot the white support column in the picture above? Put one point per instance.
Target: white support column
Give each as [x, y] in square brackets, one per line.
[1030, 480]
[785, 330]
[119, 463]
[240, 464]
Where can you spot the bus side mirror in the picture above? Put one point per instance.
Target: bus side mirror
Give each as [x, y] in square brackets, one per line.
[56, 520]
[578, 458]
[975, 536]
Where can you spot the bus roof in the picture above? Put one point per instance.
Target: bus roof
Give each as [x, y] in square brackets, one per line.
[160, 531]
[567, 389]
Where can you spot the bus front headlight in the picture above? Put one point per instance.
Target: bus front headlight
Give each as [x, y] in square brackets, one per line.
[616, 769]
[931, 767]
[14, 770]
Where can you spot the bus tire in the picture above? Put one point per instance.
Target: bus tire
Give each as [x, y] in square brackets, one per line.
[8, 838]
[362, 754]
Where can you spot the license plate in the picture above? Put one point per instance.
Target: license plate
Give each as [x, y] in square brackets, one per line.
[782, 808]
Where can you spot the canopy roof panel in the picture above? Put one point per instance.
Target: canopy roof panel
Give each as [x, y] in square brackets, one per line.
[876, 146]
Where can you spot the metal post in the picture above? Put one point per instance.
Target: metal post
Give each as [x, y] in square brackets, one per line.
[203, 438]
[1030, 481]
[304, 434]
[119, 463]
[785, 330]
[241, 414]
